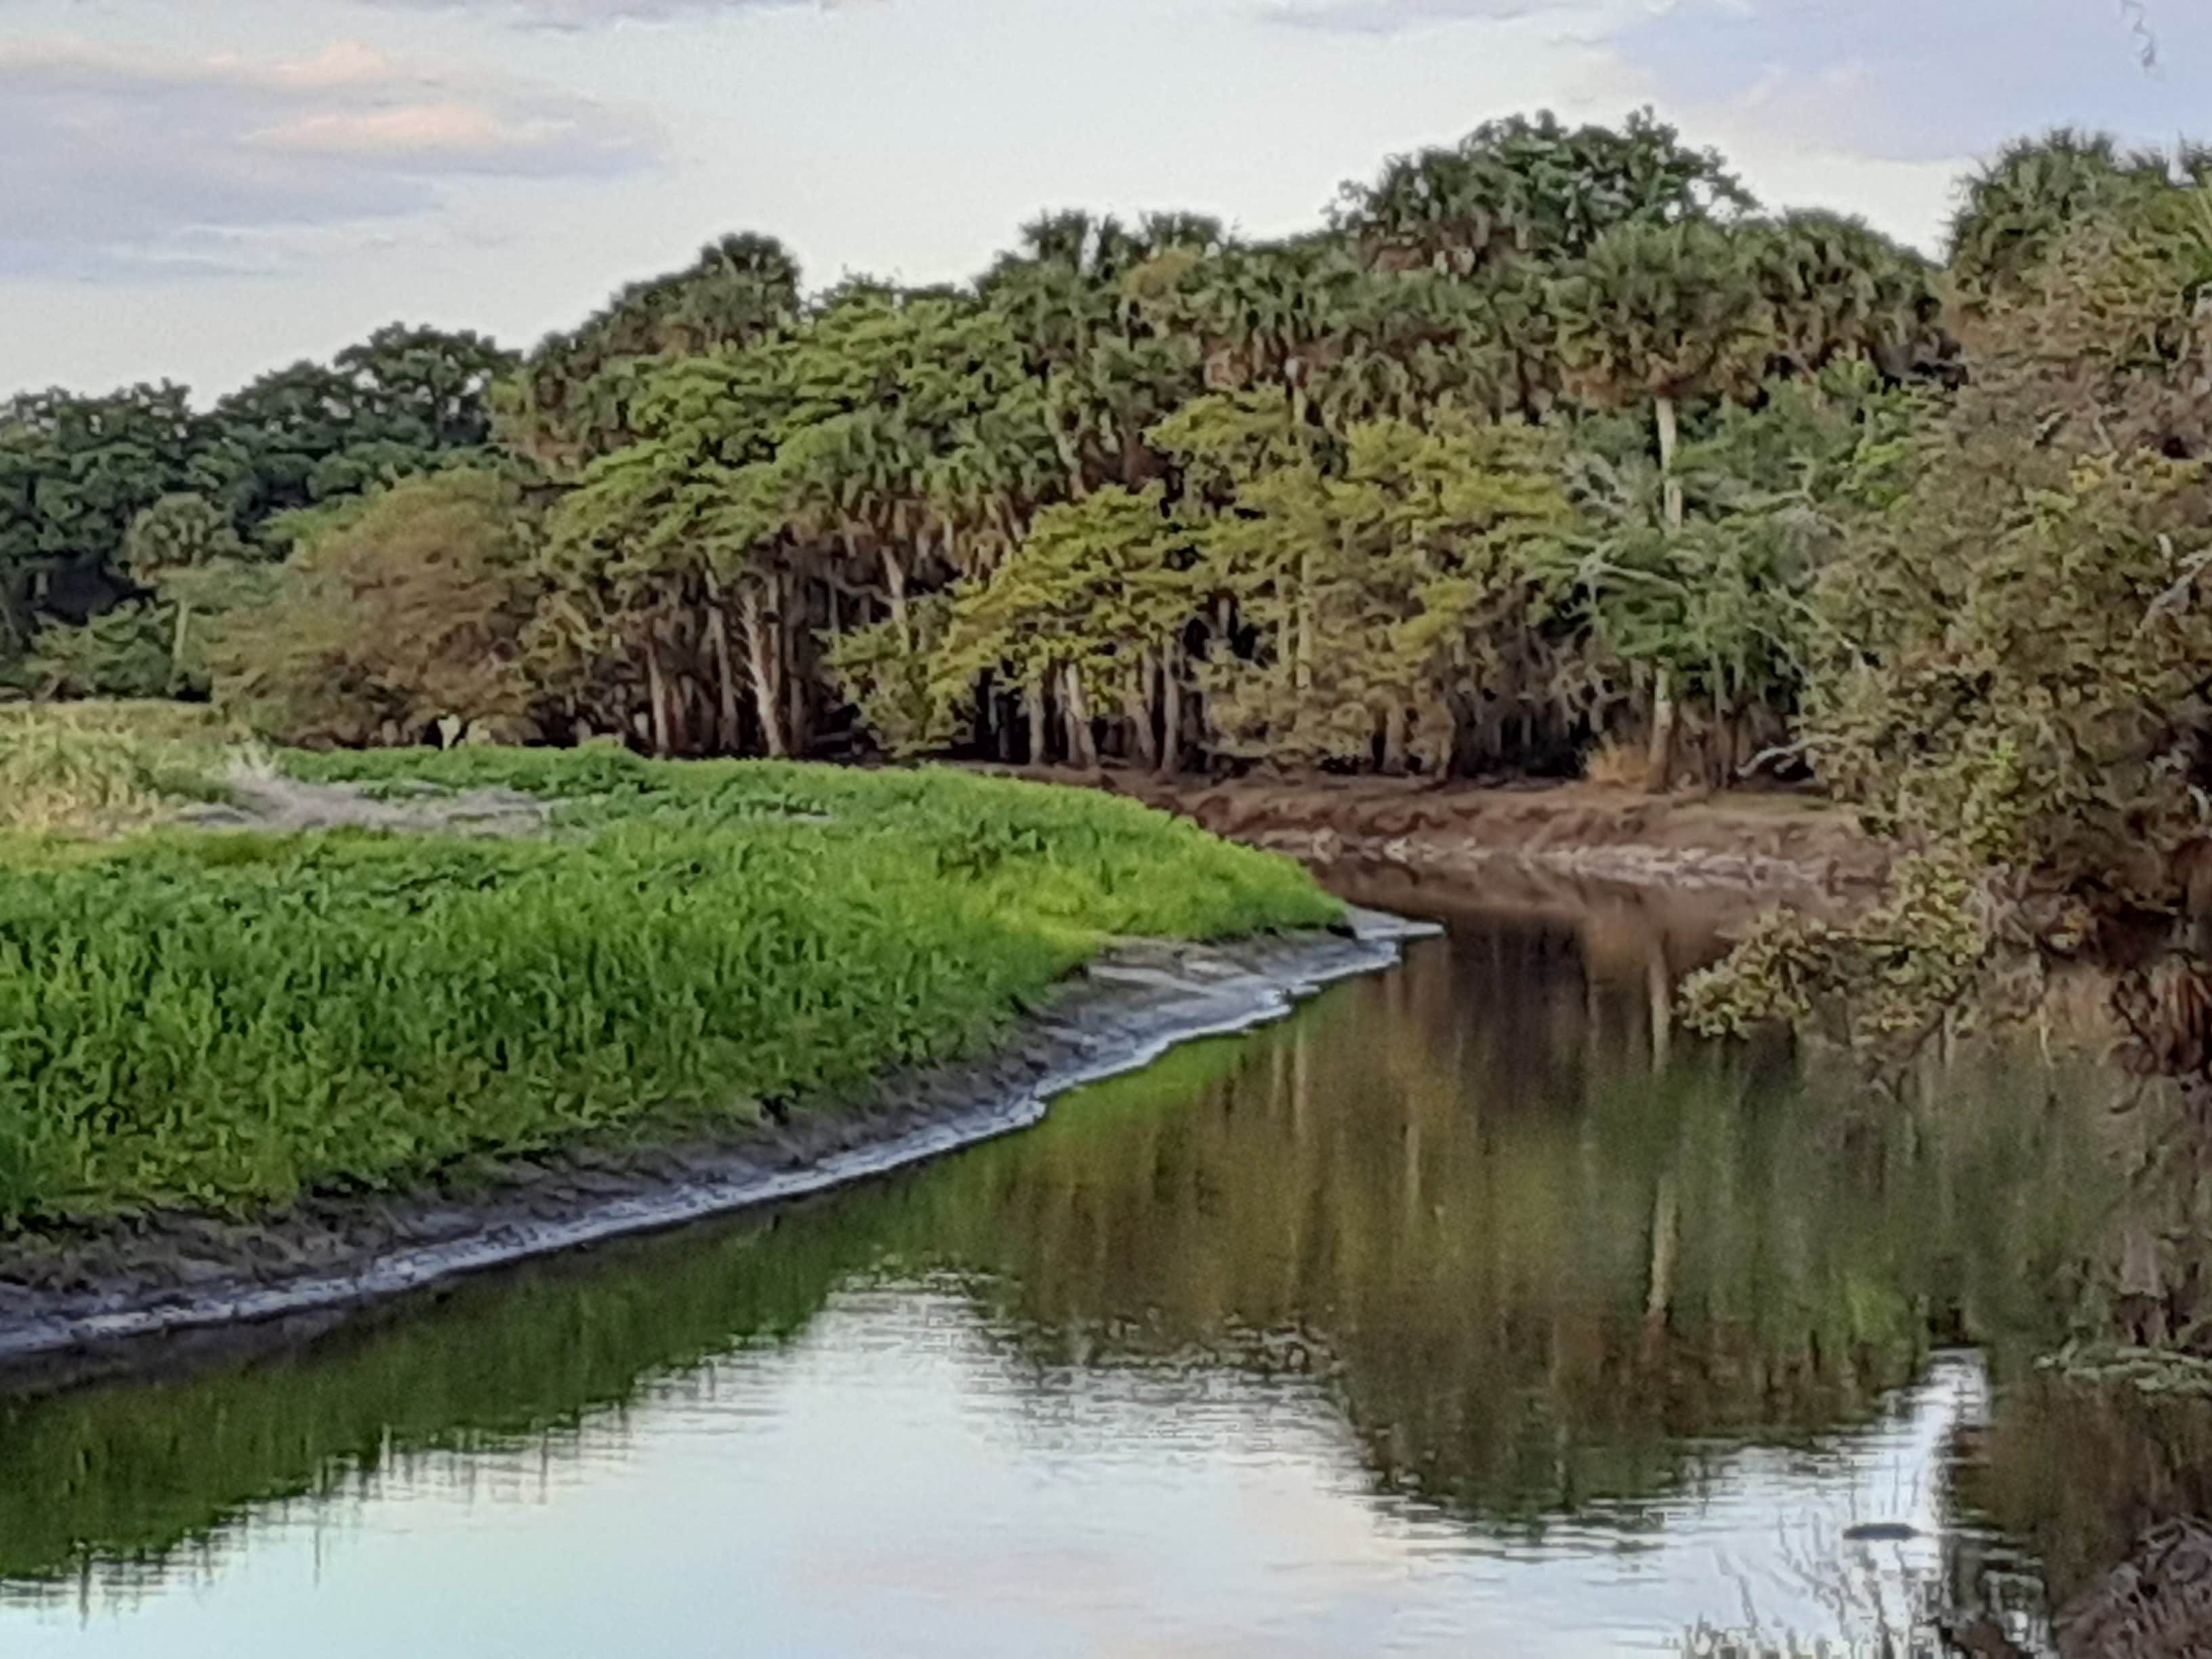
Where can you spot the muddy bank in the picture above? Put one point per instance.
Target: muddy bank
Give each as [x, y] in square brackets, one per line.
[113, 1297]
[1626, 931]
[261, 799]
[1767, 844]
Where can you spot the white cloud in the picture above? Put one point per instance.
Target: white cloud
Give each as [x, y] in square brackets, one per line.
[1394, 16]
[1898, 81]
[129, 162]
[589, 13]
[1921, 79]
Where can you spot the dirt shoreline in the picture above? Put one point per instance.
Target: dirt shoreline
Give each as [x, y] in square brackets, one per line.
[109, 1299]
[1766, 844]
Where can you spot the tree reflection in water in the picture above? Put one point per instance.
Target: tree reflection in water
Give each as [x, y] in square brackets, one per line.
[1558, 1269]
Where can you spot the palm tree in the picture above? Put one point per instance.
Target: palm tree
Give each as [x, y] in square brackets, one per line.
[571, 398]
[1836, 288]
[1529, 187]
[1656, 315]
[2017, 206]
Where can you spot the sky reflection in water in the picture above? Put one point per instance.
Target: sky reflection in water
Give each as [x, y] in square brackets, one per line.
[1440, 1320]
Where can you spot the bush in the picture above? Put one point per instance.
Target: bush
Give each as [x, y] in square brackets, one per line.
[405, 613]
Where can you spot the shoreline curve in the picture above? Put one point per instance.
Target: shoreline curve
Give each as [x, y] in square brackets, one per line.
[74, 1308]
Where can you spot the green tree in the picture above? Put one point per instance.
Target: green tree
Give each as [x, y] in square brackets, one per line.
[1654, 314]
[74, 473]
[1387, 601]
[403, 401]
[571, 400]
[2021, 205]
[1531, 187]
[2012, 681]
[1087, 613]
[410, 615]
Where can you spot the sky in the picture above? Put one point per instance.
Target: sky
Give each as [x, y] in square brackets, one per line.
[205, 190]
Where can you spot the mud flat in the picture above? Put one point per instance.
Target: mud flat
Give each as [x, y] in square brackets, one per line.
[1773, 844]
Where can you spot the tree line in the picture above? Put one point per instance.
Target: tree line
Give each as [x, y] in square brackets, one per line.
[1548, 450]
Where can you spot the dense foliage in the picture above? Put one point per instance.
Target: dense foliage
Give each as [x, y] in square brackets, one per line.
[100, 494]
[2017, 658]
[1549, 447]
[232, 1018]
[1508, 460]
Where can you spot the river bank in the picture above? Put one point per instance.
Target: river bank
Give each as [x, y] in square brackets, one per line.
[311, 1221]
[1395, 1255]
[1762, 843]
[370, 1021]
[83, 1301]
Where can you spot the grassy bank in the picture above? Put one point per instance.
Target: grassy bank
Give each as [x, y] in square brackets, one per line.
[231, 1019]
[97, 767]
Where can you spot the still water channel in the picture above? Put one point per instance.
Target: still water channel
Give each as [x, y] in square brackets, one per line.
[1470, 1311]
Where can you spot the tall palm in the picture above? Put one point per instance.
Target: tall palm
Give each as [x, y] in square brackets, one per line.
[1532, 187]
[1833, 287]
[2015, 208]
[1657, 314]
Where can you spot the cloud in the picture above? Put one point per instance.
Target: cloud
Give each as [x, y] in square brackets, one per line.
[126, 163]
[590, 13]
[1396, 17]
[1902, 81]
[1918, 80]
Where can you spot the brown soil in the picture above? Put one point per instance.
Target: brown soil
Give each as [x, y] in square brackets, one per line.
[1770, 842]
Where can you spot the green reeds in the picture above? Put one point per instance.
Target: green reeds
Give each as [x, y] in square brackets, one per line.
[195, 1018]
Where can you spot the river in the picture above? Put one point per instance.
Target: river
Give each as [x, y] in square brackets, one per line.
[1470, 1310]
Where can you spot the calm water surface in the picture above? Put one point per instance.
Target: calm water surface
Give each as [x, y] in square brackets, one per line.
[1470, 1311]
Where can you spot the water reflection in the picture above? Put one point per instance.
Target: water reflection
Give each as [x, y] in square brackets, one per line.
[1471, 1304]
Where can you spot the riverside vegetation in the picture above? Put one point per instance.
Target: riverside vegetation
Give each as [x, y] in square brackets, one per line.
[1550, 451]
[231, 1019]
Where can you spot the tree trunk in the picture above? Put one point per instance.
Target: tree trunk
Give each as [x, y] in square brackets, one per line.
[1394, 739]
[177, 645]
[1669, 437]
[1302, 670]
[760, 659]
[1171, 710]
[1082, 745]
[1659, 1285]
[730, 733]
[1033, 696]
[1659, 773]
[656, 690]
[1728, 746]
[1143, 749]
[791, 608]
[895, 580]
[1665, 717]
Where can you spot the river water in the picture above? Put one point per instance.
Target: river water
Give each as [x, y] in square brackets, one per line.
[1471, 1310]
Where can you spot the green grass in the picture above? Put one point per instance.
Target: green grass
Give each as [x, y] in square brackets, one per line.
[96, 768]
[229, 1020]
